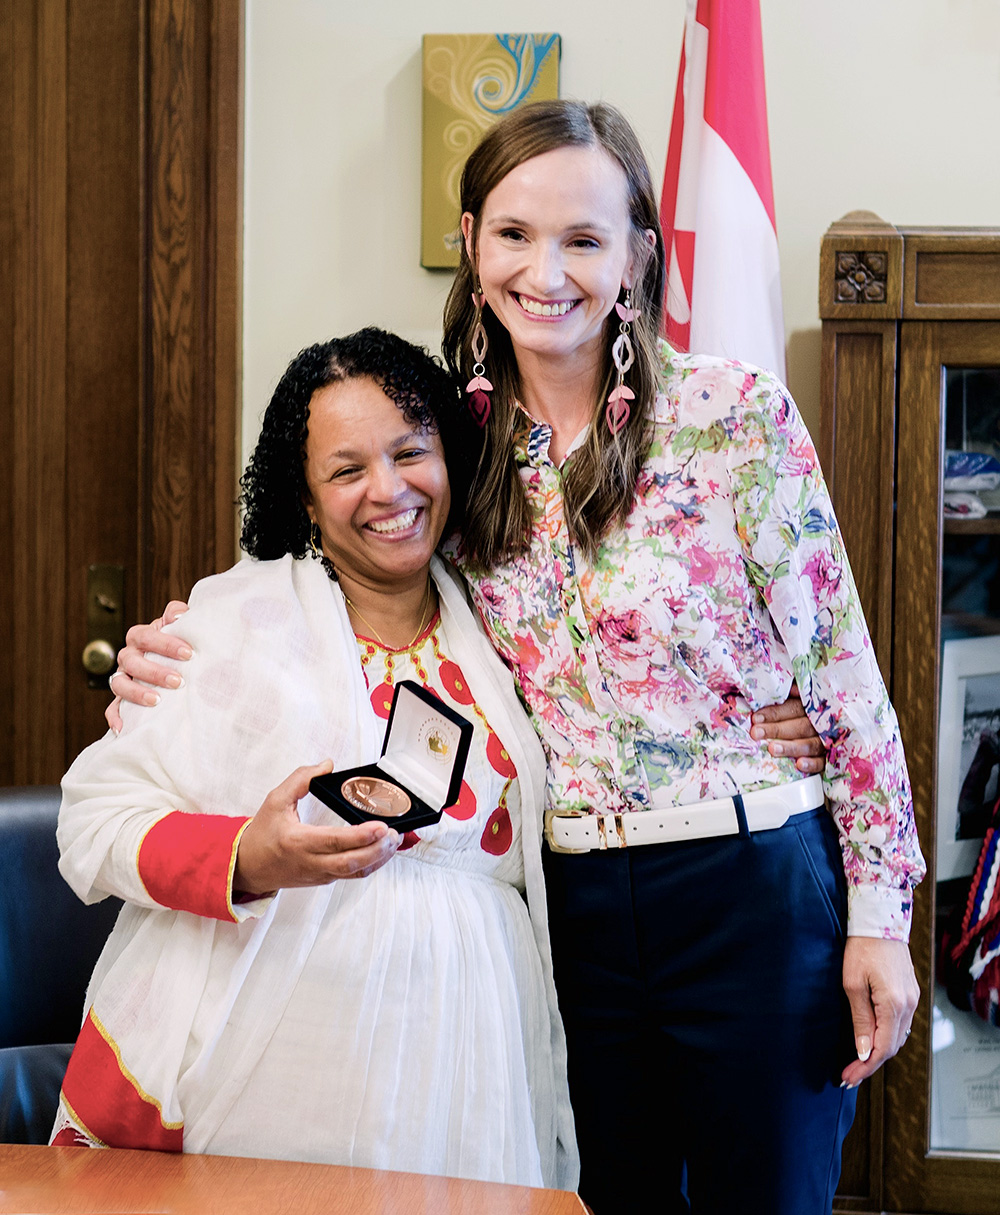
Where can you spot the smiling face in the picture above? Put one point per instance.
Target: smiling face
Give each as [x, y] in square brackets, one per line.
[377, 485]
[553, 253]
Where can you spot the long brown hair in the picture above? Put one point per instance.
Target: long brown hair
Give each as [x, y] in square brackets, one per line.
[599, 480]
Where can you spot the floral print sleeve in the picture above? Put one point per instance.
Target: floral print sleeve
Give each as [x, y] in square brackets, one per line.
[795, 557]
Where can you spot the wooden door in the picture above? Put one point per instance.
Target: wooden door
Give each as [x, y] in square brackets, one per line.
[120, 222]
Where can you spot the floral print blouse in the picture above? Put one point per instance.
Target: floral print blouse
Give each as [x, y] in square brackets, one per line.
[640, 668]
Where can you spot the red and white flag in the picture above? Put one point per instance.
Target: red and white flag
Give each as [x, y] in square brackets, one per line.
[723, 285]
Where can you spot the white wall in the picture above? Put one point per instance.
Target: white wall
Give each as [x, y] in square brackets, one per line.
[890, 105]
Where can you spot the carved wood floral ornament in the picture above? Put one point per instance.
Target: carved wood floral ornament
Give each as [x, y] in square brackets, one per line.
[861, 278]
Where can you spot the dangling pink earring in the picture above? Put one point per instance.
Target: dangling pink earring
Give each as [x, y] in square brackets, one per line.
[623, 356]
[479, 386]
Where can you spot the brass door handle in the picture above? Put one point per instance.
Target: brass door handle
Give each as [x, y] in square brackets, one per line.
[99, 657]
[105, 623]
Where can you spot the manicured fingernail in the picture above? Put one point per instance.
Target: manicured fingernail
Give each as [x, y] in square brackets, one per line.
[185, 652]
[116, 730]
[174, 681]
[854, 1085]
[151, 698]
[864, 1045]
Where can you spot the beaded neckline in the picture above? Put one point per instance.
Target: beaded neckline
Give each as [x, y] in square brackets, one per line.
[427, 631]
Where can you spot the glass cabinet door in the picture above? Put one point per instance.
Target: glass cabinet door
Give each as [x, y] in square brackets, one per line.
[942, 1093]
[965, 1031]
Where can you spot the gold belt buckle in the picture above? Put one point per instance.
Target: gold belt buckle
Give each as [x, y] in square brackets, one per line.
[550, 836]
[620, 828]
[602, 831]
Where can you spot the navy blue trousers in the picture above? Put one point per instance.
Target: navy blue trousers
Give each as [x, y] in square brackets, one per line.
[701, 987]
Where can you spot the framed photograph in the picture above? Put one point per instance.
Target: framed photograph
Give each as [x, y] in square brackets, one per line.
[968, 751]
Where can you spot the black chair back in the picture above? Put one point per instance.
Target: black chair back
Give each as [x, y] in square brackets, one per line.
[49, 942]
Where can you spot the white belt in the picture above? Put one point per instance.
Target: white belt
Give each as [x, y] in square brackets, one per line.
[579, 831]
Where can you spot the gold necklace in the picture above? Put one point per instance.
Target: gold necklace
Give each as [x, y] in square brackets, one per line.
[426, 602]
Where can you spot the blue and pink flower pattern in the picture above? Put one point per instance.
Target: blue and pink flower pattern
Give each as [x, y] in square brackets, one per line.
[640, 668]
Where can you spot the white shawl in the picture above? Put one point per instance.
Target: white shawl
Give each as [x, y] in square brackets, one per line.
[272, 643]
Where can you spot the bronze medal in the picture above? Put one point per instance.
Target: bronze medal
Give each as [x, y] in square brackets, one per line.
[375, 796]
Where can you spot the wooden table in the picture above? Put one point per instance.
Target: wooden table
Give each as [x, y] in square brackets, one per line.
[81, 1181]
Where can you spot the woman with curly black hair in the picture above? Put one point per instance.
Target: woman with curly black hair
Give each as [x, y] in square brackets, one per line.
[252, 1000]
[274, 483]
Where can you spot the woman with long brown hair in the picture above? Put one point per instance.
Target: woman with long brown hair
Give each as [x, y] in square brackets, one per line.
[653, 551]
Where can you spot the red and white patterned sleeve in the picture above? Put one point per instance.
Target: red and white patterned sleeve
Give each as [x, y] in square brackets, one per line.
[132, 825]
[178, 859]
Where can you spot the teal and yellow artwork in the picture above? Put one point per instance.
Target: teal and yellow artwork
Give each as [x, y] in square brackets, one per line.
[471, 80]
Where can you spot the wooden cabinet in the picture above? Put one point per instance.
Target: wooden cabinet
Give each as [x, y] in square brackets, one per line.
[911, 368]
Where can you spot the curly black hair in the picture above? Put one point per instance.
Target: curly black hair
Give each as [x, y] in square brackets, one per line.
[273, 487]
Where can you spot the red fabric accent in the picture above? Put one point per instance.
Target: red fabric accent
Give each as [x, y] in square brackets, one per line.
[465, 807]
[499, 758]
[69, 1136]
[382, 700]
[108, 1103]
[735, 104]
[186, 862]
[455, 683]
[498, 832]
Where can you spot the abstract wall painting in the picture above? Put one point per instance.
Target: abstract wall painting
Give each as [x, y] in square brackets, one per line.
[469, 81]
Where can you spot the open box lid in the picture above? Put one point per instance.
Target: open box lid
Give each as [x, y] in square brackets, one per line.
[426, 744]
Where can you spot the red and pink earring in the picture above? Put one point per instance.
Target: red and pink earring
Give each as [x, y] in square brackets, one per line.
[623, 356]
[479, 387]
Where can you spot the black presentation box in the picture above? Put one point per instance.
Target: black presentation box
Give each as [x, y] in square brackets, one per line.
[419, 773]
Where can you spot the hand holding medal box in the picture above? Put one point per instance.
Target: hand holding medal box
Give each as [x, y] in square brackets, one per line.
[419, 773]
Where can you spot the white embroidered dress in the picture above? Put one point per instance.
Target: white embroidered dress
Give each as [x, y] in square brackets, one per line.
[405, 1020]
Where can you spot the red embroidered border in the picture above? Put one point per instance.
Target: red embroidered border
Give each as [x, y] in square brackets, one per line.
[107, 1101]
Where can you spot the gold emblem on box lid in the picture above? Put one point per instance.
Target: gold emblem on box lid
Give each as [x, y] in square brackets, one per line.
[435, 739]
